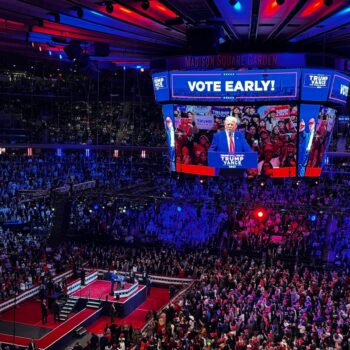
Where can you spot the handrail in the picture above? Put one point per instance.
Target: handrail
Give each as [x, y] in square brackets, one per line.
[178, 295]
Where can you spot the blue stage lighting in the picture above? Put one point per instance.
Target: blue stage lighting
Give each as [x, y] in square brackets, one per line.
[238, 6]
[97, 13]
[179, 209]
[313, 217]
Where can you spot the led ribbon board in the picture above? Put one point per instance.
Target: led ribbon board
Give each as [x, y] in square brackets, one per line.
[340, 89]
[234, 86]
[315, 85]
[161, 86]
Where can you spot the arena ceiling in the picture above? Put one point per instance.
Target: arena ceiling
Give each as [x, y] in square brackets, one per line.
[136, 31]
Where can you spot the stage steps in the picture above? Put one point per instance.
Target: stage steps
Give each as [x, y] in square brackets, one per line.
[93, 304]
[68, 308]
[80, 331]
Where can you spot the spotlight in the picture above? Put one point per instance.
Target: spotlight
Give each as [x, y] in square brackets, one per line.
[313, 217]
[109, 6]
[232, 2]
[145, 4]
[260, 214]
[328, 2]
[279, 2]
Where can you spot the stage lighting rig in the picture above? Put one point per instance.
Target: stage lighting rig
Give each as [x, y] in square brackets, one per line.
[280, 2]
[109, 6]
[328, 2]
[260, 214]
[232, 2]
[80, 12]
[145, 4]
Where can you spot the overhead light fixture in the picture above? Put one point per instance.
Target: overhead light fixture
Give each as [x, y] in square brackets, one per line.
[328, 2]
[174, 21]
[57, 18]
[80, 12]
[109, 6]
[145, 4]
[232, 2]
[280, 2]
[236, 5]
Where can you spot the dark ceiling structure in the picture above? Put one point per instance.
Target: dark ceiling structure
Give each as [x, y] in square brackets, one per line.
[133, 32]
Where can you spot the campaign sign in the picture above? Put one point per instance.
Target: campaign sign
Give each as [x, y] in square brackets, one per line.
[340, 89]
[205, 122]
[224, 160]
[316, 85]
[237, 86]
[161, 86]
[316, 80]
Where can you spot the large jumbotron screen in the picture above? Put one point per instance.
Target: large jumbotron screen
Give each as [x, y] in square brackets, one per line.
[270, 131]
[285, 120]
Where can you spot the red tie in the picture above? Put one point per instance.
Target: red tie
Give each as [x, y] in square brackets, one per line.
[232, 145]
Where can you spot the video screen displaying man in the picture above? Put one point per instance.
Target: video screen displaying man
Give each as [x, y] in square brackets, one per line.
[314, 138]
[229, 140]
[268, 130]
[170, 131]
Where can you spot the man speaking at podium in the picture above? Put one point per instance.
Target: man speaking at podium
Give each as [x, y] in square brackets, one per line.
[230, 140]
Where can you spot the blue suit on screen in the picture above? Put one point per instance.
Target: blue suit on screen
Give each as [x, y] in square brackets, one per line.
[304, 139]
[220, 143]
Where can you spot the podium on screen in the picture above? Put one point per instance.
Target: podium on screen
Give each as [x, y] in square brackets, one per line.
[226, 160]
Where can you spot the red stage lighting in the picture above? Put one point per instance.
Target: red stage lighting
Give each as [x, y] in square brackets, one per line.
[260, 214]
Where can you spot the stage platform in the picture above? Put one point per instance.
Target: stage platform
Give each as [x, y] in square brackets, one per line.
[58, 335]
[23, 330]
[131, 309]
[45, 338]
[99, 290]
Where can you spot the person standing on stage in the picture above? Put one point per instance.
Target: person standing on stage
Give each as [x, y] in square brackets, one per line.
[148, 285]
[113, 280]
[113, 312]
[82, 276]
[43, 312]
[31, 345]
[56, 311]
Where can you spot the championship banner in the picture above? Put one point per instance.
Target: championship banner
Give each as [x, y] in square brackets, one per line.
[224, 160]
